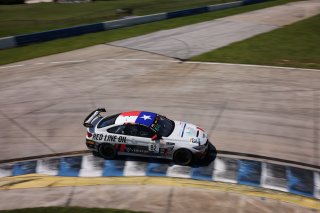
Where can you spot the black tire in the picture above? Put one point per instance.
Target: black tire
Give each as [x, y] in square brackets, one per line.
[107, 151]
[183, 157]
[95, 153]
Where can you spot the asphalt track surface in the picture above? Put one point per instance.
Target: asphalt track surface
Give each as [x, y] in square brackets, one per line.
[263, 110]
[192, 40]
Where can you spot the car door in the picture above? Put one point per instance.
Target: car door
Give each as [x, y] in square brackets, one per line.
[138, 139]
[144, 137]
[121, 133]
[138, 145]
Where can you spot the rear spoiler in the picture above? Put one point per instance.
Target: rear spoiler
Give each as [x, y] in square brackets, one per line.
[88, 121]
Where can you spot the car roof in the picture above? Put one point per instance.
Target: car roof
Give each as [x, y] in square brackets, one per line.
[136, 117]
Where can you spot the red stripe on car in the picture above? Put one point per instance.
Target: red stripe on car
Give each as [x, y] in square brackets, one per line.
[131, 113]
[122, 147]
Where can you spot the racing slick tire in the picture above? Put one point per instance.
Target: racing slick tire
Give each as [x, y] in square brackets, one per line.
[183, 157]
[107, 151]
[95, 153]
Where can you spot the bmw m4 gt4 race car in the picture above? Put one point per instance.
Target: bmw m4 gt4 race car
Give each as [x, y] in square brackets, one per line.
[145, 134]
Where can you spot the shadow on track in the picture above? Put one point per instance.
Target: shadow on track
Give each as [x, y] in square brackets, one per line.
[207, 160]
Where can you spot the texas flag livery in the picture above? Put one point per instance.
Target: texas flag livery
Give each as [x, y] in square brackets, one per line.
[139, 117]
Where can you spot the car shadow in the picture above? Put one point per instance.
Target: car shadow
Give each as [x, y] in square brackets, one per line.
[206, 161]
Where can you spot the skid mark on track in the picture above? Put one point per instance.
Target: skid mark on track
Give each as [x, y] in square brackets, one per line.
[216, 121]
[27, 131]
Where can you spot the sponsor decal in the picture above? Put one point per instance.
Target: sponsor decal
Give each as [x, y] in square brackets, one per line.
[97, 137]
[156, 127]
[110, 138]
[190, 131]
[137, 149]
[152, 149]
[170, 143]
[194, 140]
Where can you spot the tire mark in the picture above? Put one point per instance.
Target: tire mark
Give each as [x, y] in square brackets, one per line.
[169, 202]
[70, 196]
[216, 121]
[27, 131]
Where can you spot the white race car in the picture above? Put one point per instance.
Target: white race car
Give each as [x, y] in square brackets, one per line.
[146, 134]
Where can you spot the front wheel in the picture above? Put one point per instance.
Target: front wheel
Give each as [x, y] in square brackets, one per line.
[107, 151]
[183, 157]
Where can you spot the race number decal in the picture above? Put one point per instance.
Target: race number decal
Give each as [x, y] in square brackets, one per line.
[153, 147]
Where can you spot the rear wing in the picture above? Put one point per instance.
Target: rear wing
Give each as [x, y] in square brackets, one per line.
[88, 121]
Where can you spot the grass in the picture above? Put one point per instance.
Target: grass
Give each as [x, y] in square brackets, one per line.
[68, 44]
[295, 45]
[65, 210]
[28, 18]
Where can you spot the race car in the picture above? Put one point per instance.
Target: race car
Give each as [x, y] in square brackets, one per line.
[145, 134]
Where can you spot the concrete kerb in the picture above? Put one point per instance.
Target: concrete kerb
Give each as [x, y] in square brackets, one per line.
[302, 182]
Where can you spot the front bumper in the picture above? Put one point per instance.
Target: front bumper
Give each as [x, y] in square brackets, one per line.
[201, 153]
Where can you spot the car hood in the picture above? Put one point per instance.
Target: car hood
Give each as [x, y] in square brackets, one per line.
[188, 132]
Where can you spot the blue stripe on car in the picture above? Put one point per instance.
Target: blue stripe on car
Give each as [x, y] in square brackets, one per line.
[183, 129]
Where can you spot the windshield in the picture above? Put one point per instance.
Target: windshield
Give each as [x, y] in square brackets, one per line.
[163, 126]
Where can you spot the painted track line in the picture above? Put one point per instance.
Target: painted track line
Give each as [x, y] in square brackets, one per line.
[65, 62]
[12, 66]
[137, 59]
[251, 65]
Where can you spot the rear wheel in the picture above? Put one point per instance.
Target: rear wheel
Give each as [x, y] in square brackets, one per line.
[95, 153]
[107, 151]
[183, 157]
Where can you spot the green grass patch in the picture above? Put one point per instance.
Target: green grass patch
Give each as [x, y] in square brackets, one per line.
[65, 210]
[28, 18]
[68, 44]
[295, 45]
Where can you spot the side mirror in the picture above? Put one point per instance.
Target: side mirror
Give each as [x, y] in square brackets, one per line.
[155, 137]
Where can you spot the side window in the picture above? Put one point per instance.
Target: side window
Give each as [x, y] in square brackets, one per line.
[131, 130]
[117, 130]
[145, 132]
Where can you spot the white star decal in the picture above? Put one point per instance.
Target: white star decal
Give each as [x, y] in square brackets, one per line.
[146, 117]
